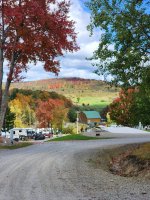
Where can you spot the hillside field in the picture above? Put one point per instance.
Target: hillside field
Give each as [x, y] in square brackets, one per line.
[93, 93]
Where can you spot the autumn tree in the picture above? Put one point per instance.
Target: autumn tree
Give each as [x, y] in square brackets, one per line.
[28, 106]
[22, 106]
[60, 114]
[16, 107]
[31, 31]
[47, 112]
[121, 109]
[124, 48]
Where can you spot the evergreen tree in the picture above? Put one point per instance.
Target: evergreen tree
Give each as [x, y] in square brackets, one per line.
[9, 120]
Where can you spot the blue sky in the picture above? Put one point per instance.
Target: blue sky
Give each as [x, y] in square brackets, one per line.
[75, 64]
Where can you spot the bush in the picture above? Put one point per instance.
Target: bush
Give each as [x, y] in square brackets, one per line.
[68, 130]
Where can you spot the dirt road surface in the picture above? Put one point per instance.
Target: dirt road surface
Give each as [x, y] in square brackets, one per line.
[62, 171]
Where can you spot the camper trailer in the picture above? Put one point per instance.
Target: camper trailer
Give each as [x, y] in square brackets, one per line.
[20, 133]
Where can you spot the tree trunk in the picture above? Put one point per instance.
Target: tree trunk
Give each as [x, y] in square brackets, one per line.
[4, 104]
[1, 92]
[2, 116]
[4, 99]
[1, 74]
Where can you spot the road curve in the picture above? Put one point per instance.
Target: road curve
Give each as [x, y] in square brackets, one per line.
[61, 171]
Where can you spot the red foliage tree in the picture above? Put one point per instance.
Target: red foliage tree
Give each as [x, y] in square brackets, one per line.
[31, 31]
[121, 108]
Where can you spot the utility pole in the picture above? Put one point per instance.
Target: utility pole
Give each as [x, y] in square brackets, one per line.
[77, 122]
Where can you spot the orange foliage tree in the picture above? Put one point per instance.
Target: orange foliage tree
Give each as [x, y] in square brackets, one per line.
[49, 111]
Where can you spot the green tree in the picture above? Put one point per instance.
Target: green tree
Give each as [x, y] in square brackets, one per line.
[141, 108]
[29, 116]
[72, 114]
[124, 48]
[9, 120]
[78, 99]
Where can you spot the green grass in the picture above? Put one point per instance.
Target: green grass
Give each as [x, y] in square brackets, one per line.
[143, 152]
[92, 107]
[73, 137]
[93, 100]
[16, 146]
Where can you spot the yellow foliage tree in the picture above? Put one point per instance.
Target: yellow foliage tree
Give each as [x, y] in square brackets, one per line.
[59, 116]
[21, 106]
[16, 107]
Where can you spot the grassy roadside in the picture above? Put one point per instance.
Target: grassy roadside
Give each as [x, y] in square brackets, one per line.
[142, 152]
[74, 137]
[15, 146]
[132, 162]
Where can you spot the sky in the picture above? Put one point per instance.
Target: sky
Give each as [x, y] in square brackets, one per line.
[73, 64]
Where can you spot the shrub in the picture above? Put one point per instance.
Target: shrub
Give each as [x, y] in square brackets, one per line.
[68, 130]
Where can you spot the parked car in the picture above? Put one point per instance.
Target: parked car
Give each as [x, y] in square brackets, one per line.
[47, 134]
[30, 134]
[39, 136]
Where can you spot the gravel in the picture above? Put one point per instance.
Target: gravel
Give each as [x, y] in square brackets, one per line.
[63, 171]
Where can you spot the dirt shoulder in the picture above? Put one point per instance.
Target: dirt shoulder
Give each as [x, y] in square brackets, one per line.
[128, 161]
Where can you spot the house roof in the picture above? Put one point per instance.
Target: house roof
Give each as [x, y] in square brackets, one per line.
[92, 114]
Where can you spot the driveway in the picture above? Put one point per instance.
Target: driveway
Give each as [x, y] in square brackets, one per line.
[117, 132]
[62, 171]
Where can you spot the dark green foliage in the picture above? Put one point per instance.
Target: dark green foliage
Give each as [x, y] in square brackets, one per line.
[9, 120]
[104, 112]
[141, 108]
[72, 115]
[124, 49]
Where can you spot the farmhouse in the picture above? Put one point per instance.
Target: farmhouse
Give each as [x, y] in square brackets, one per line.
[89, 117]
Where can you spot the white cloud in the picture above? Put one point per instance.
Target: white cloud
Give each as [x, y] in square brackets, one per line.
[75, 64]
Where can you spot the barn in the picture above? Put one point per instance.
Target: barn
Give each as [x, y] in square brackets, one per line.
[89, 117]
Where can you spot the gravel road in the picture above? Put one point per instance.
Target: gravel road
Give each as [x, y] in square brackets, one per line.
[62, 171]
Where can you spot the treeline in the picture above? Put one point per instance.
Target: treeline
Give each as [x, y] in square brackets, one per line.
[29, 108]
[61, 84]
[38, 94]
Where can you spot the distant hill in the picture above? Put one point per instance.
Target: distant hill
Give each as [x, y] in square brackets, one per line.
[80, 91]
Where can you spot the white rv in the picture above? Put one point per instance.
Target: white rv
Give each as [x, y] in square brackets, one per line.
[19, 133]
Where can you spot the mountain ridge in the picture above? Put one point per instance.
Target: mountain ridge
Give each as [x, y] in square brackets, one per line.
[79, 90]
